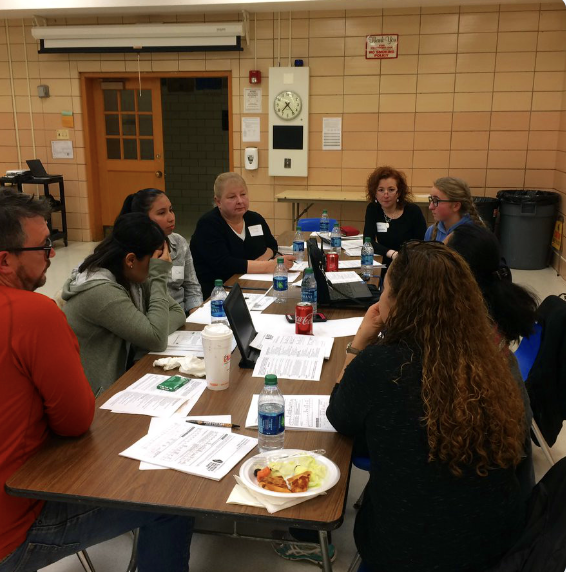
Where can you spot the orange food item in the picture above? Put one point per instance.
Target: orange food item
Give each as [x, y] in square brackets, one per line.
[300, 483]
[297, 484]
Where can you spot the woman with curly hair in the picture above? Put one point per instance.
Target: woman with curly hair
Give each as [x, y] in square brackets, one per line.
[451, 204]
[391, 216]
[425, 386]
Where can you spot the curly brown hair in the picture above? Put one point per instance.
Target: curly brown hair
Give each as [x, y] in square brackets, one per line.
[473, 410]
[403, 192]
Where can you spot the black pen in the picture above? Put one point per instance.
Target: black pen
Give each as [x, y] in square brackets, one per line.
[213, 424]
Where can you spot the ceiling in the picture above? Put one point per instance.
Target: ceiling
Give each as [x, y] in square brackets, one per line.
[74, 8]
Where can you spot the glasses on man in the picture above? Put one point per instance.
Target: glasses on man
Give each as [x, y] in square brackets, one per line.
[436, 201]
[390, 190]
[46, 248]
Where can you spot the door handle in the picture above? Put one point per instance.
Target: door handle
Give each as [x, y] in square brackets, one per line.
[159, 174]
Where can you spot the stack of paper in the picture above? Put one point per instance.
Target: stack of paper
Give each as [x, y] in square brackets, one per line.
[343, 264]
[291, 277]
[302, 413]
[257, 342]
[255, 302]
[143, 397]
[185, 343]
[343, 277]
[194, 449]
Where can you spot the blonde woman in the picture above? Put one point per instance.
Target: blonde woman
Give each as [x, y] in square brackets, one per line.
[231, 239]
[426, 390]
[451, 204]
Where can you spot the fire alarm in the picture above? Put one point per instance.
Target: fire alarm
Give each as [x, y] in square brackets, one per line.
[255, 76]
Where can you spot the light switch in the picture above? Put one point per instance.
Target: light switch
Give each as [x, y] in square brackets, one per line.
[62, 133]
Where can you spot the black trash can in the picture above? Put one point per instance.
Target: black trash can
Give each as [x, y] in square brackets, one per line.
[525, 227]
[487, 208]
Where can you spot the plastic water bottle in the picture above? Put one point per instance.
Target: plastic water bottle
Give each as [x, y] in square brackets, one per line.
[336, 238]
[367, 259]
[217, 313]
[280, 282]
[308, 288]
[270, 416]
[299, 245]
[324, 222]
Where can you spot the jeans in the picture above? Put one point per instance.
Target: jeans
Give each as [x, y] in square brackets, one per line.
[62, 529]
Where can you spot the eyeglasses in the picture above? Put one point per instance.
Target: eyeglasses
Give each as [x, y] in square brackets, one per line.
[47, 247]
[436, 200]
[390, 190]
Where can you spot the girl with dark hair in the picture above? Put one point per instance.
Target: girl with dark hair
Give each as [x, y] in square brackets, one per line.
[442, 418]
[117, 301]
[391, 216]
[451, 204]
[182, 284]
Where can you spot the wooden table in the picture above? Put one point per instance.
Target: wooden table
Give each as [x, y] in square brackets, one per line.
[311, 197]
[89, 469]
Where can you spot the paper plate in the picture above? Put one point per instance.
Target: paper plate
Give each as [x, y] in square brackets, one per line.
[247, 474]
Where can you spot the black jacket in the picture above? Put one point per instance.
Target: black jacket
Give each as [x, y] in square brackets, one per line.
[546, 383]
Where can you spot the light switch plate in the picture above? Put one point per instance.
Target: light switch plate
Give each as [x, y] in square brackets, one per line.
[62, 133]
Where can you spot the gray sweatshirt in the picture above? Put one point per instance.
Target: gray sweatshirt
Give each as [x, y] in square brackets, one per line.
[107, 319]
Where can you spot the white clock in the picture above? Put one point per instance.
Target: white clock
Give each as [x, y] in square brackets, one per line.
[287, 105]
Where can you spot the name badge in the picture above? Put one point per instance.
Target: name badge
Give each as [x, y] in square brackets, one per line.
[256, 230]
[382, 226]
[178, 272]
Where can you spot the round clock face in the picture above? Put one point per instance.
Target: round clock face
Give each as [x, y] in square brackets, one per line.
[287, 105]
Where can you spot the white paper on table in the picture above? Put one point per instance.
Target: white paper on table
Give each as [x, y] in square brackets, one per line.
[143, 397]
[285, 249]
[352, 238]
[192, 449]
[331, 328]
[302, 413]
[354, 252]
[324, 341]
[253, 301]
[185, 343]
[158, 424]
[296, 359]
[299, 266]
[343, 277]
[291, 277]
[351, 244]
[342, 264]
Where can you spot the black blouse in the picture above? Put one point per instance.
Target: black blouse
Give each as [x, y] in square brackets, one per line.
[218, 252]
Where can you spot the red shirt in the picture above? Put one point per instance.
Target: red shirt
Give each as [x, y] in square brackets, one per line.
[42, 388]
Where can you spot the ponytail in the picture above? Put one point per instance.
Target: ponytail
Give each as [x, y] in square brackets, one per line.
[140, 202]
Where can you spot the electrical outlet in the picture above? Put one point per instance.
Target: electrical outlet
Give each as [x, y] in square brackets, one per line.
[62, 133]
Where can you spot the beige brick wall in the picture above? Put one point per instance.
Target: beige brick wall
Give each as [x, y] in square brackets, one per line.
[477, 92]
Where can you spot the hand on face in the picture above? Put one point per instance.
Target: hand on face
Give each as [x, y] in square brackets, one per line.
[370, 327]
[163, 253]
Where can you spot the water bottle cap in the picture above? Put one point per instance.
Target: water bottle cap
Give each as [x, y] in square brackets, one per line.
[299, 228]
[218, 282]
[324, 211]
[280, 261]
[336, 225]
[270, 379]
[367, 239]
[308, 270]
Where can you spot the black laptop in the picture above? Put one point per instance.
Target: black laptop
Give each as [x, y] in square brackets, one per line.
[344, 294]
[240, 321]
[38, 170]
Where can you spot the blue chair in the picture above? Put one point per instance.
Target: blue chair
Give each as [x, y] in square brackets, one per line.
[526, 354]
[362, 463]
[313, 224]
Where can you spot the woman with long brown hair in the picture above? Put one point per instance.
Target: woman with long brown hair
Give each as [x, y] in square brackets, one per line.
[426, 388]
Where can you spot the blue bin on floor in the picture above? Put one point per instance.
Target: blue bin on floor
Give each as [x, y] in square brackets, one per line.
[313, 224]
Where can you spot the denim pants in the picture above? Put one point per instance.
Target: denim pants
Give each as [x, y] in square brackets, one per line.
[62, 529]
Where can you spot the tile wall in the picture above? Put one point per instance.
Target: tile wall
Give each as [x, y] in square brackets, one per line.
[477, 92]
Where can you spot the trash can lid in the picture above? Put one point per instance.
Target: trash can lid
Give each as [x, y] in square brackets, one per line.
[528, 196]
[486, 200]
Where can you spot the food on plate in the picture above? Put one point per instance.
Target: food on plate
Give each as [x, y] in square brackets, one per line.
[291, 475]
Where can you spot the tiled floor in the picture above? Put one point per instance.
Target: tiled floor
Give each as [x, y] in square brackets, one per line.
[220, 554]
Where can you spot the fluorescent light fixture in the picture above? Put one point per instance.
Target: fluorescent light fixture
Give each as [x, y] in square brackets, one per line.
[214, 36]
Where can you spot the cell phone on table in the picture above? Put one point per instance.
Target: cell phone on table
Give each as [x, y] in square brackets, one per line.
[173, 383]
[318, 317]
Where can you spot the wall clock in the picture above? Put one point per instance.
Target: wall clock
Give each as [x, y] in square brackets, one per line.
[287, 105]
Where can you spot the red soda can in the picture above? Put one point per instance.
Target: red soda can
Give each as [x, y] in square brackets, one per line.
[303, 318]
[332, 262]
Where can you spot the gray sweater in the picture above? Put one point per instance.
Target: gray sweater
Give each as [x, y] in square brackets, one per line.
[107, 319]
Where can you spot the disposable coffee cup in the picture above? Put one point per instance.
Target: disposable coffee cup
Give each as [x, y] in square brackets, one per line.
[217, 345]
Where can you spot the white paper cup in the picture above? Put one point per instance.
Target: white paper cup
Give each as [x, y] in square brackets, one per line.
[217, 345]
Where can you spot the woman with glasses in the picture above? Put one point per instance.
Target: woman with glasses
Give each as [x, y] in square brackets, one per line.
[451, 204]
[425, 388]
[117, 301]
[183, 285]
[391, 217]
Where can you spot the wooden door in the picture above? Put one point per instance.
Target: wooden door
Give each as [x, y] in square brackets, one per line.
[129, 140]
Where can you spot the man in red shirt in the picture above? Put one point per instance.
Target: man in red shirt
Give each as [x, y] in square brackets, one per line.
[43, 389]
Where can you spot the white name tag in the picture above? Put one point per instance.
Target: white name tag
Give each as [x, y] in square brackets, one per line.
[256, 230]
[178, 272]
[382, 226]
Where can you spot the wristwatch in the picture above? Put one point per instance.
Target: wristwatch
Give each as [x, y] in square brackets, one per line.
[352, 350]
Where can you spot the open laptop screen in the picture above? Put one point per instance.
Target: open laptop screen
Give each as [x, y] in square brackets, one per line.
[241, 323]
